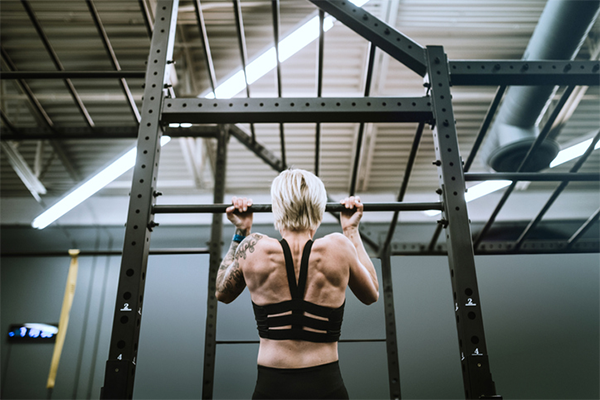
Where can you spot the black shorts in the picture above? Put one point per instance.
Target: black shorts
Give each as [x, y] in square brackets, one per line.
[320, 382]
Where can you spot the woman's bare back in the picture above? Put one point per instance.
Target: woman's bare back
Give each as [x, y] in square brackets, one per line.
[327, 278]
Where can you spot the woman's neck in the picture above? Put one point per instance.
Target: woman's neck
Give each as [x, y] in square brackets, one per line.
[297, 236]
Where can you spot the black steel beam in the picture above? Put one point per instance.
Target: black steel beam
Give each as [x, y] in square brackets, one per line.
[120, 367]
[95, 253]
[485, 125]
[524, 72]
[319, 90]
[533, 176]
[241, 37]
[257, 148]
[116, 132]
[339, 341]
[204, 37]
[436, 235]
[147, 14]
[536, 144]
[216, 254]
[477, 377]
[378, 32]
[264, 208]
[38, 27]
[361, 126]
[113, 58]
[391, 341]
[71, 74]
[275, 12]
[503, 247]
[339, 109]
[575, 239]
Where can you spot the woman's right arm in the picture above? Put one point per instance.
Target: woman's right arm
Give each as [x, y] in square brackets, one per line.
[363, 278]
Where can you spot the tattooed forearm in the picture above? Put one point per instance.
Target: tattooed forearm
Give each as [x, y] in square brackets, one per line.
[230, 279]
[242, 232]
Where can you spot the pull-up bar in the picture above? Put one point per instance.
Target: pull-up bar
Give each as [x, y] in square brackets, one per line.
[264, 208]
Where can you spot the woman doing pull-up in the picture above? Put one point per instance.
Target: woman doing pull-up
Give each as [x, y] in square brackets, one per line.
[297, 286]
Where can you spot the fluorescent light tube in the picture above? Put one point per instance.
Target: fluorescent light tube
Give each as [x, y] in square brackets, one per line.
[572, 152]
[89, 187]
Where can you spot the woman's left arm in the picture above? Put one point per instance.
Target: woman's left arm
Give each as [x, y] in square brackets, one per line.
[230, 278]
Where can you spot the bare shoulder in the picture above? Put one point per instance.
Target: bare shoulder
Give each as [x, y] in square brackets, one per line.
[335, 243]
[255, 244]
[336, 238]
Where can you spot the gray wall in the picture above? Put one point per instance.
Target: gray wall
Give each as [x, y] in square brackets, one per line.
[540, 313]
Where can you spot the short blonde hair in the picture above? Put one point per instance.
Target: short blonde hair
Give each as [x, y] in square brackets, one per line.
[299, 200]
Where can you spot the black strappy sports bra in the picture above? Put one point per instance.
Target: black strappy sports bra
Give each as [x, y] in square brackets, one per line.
[266, 316]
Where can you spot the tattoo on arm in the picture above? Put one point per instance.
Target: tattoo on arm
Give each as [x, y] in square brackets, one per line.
[230, 279]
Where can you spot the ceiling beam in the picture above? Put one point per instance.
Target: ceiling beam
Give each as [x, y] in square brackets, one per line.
[21, 168]
[72, 74]
[381, 34]
[332, 109]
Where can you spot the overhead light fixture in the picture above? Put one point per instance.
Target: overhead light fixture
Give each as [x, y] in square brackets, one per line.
[485, 188]
[572, 152]
[266, 62]
[89, 187]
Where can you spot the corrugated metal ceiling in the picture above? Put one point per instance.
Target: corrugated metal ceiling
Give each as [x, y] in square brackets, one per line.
[472, 29]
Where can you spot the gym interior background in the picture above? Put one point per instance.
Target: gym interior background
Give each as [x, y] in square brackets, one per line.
[72, 100]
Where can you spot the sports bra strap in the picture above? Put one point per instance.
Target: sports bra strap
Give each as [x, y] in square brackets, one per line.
[296, 290]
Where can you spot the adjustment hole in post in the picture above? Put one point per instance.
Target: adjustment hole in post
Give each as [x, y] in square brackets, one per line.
[468, 291]
[124, 319]
[129, 272]
[121, 344]
[127, 295]
[474, 339]
[471, 315]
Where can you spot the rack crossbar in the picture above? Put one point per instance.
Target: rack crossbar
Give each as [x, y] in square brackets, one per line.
[264, 208]
[524, 72]
[297, 110]
[533, 177]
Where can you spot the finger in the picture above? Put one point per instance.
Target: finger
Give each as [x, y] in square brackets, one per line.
[230, 209]
[239, 203]
[350, 202]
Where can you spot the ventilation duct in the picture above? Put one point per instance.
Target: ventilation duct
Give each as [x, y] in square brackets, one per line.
[560, 32]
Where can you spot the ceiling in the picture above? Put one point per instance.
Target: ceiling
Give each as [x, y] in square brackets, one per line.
[468, 29]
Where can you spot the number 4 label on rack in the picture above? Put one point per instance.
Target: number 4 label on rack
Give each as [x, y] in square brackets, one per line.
[120, 357]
